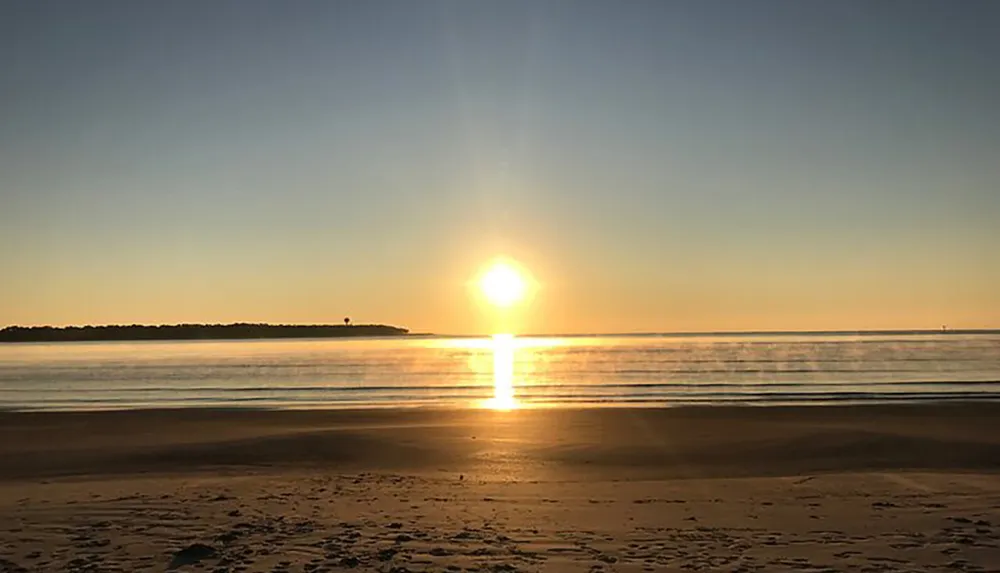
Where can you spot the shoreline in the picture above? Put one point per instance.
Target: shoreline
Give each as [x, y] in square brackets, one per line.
[473, 404]
[592, 443]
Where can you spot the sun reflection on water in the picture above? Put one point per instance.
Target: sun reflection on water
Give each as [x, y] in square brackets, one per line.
[503, 373]
[515, 363]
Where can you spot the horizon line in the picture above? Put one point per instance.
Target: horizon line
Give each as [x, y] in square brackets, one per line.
[859, 332]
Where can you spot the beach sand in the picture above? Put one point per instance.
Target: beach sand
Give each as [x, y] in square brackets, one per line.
[818, 488]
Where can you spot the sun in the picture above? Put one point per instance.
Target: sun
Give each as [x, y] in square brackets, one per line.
[503, 284]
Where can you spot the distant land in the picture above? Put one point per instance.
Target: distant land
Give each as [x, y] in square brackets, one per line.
[192, 332]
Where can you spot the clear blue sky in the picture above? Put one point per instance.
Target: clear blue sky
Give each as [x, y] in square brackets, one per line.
[657, 165]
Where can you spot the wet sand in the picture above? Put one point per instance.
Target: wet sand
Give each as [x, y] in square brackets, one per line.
[872, 488]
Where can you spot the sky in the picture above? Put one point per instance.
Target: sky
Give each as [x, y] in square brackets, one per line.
[657, 166]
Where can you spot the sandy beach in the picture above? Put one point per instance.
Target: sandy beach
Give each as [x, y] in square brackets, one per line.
[866, 488]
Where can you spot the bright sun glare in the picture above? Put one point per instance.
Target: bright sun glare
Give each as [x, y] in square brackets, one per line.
[503, 284]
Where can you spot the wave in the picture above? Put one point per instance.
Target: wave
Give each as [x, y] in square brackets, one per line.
[236, 388]
[545, 399]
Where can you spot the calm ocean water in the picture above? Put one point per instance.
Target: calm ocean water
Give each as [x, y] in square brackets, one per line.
[415, 371]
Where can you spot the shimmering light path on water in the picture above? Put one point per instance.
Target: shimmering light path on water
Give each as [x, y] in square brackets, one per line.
[502, 371]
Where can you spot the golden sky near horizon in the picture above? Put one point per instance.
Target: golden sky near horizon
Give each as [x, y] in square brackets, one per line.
[566, 299]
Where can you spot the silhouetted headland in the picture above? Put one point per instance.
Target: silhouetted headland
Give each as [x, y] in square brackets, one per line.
[192, 332]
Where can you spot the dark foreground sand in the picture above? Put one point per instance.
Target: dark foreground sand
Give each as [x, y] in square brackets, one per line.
[876, 488]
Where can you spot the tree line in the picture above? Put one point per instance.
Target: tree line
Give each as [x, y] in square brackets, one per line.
[192, 332]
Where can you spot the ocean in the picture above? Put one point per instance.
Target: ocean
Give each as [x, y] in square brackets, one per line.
[503, 371]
